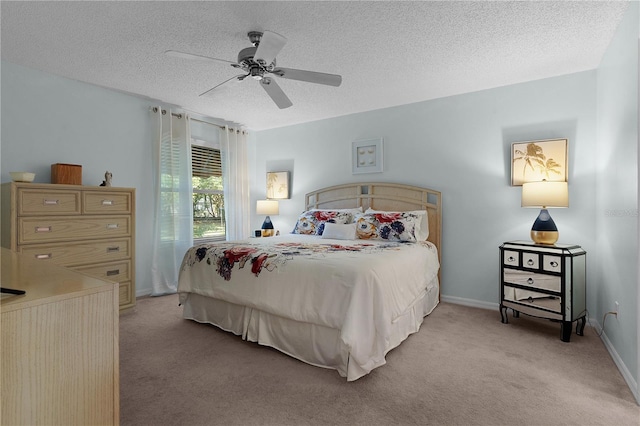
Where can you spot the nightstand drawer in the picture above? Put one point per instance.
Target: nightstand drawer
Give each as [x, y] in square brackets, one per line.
[530, 260]
[511, 258]
[552, 263]
[533, 280]
[533, 299]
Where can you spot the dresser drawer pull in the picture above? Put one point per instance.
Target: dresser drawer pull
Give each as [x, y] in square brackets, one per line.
[113, 272]
[511, 259]
[43, 229]
[553, 264]
[44, 256]
[112, 226]
[107, 202]
[51, 202]
[530, 281]
[113, 249]
[530, 262]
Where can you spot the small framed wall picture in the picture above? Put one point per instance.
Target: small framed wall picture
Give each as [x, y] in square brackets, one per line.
[278, 185]
[366, 156]
[534, 161]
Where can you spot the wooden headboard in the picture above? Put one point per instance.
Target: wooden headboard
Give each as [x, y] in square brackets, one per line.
[383, 196]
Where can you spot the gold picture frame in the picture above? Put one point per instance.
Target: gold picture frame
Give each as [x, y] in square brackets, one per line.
[534, 161]
[278, 185]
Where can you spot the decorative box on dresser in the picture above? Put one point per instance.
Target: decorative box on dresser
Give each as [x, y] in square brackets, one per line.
[546, 281]
[90, 229]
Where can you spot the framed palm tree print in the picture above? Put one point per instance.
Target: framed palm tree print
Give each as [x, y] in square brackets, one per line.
[277, 185]
[535, 161]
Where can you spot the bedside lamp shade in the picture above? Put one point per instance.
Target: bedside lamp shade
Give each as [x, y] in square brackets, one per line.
[544, 195]
[267, 207]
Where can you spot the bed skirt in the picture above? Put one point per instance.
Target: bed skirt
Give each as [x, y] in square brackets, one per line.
[311, 343]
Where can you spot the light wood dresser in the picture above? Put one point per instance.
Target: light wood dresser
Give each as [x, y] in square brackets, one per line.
[60, 353]
[90, 229]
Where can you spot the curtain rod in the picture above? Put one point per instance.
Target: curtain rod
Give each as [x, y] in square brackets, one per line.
[164, 112]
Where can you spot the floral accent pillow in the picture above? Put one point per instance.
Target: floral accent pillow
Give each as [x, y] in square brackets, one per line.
[388, 226]
[312, 222]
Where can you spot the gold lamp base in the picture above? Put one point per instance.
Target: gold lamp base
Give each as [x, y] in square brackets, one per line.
[544, 237]
[267, 232]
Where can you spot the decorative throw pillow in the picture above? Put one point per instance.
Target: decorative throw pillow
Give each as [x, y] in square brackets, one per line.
[312, 222]
[339, 231]
[389, 226]
[422, 229]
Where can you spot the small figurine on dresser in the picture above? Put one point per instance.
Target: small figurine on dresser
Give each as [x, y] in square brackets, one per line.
[107, 179]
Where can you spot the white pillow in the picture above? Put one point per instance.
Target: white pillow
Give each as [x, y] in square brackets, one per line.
[422, 230]
[338, 231]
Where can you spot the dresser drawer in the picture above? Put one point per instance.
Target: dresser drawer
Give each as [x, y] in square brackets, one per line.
[42, 230]
[68, 254]
[115, 271]
[106, 202]
[47, 202]
[126, 294]
[533, 280]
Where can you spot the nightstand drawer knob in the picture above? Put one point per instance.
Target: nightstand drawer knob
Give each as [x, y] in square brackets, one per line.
[530, 262]
[554, 264]
[511, 259]
[530, 281]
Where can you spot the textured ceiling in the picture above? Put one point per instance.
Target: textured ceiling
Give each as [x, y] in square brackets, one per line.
[388, 52]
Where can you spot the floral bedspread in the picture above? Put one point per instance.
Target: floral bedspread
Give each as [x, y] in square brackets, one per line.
[260, 256]
[358, 287]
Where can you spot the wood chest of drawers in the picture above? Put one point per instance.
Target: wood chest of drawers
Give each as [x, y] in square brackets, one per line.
[546, 281]
[90, 229]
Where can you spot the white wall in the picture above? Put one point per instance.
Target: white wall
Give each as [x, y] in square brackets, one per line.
[617, 195]
[48, 119]
[460, 146]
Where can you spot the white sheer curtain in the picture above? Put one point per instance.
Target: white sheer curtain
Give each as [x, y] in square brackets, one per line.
[235, 171]
[173, 217]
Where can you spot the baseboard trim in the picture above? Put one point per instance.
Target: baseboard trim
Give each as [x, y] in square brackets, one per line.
[622, 367]
[470, 302]
[144, 292]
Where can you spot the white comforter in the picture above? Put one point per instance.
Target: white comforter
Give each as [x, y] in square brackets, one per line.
[358, 287]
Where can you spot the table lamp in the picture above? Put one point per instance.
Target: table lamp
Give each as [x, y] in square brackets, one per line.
[267, 207]
[543, 195]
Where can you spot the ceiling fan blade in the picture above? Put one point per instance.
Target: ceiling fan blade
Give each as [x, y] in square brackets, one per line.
[275, 92]
[191, 56]
[238, 77]
[309, 76]
[270, 45]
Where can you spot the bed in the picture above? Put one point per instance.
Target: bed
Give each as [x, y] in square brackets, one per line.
[339, 300]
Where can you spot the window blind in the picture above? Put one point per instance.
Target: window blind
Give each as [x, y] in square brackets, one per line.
[205, 161]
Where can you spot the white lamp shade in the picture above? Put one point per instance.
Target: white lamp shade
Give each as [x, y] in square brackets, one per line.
[267, 207]
[545, 194]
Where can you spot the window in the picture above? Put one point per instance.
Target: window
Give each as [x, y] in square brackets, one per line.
[208, 193]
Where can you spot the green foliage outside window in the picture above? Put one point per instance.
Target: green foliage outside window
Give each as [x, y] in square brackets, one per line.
[208, 207]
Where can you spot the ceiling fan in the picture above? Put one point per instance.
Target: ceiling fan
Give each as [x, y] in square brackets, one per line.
[259, 63]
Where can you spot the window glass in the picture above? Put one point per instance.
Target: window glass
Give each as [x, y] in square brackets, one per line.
[208, 193]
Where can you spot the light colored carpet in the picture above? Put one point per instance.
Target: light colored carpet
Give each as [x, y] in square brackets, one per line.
[464, 367]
